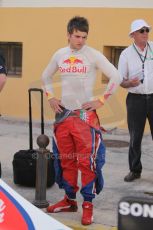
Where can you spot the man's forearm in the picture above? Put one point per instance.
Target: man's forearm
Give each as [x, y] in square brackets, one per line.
[125, 84]
[130, 83]
[2, 80]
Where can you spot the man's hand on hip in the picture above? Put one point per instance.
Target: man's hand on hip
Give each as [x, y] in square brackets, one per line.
[55, 104]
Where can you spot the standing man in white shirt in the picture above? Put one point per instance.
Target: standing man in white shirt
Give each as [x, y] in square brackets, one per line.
[136, 69]
[2, 72]
[2, 81]
[78, 141]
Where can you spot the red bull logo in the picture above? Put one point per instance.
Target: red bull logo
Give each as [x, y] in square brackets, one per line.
[75, 65]
[73, 60]
[73, 69]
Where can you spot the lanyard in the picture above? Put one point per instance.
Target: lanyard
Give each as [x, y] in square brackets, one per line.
[142, 60]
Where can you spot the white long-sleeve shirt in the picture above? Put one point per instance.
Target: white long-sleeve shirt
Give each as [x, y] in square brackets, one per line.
[78, 74]
[130, 66]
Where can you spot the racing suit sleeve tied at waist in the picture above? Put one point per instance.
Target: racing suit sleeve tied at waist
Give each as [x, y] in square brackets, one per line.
[90, 117]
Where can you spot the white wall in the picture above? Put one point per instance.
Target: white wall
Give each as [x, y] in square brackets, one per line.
[78, 3]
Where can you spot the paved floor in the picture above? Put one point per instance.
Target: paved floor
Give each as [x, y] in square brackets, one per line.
[14, 136]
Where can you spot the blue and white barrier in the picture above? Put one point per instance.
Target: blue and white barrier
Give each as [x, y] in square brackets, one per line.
[18, 213]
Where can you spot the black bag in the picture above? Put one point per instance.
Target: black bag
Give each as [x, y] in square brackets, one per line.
[24, 161]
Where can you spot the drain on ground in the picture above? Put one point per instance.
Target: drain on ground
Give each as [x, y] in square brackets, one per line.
[149, 193]
[116, 143]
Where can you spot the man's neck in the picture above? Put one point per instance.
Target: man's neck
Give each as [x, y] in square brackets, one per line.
[74, 49]
[141, 45]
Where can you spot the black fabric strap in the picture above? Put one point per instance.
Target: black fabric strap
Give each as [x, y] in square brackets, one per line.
[142, 59]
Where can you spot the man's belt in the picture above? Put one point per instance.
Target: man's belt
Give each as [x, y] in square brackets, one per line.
[89, 117]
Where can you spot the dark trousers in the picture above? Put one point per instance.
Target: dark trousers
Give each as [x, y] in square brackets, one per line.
[139, 109]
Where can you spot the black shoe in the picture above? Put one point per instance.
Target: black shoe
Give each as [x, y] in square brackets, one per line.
[132, 176]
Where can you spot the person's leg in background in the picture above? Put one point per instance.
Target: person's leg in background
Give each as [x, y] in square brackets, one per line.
[150, 112]
[136, 118]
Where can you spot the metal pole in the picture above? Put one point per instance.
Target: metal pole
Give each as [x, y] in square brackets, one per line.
[41, 172]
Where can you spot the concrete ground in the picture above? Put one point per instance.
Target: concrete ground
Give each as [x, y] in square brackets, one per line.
[14, 136]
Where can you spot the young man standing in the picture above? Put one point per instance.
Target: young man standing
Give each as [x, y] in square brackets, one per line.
[77, 144]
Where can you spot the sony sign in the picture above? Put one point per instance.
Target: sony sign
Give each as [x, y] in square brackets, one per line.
[136, 209]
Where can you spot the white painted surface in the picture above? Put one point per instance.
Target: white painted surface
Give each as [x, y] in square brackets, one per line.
[78, 3]
[39, 218]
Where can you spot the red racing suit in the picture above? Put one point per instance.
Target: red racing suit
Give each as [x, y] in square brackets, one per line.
[78, 145]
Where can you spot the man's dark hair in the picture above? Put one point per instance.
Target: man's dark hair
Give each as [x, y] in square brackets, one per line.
[78, 23]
